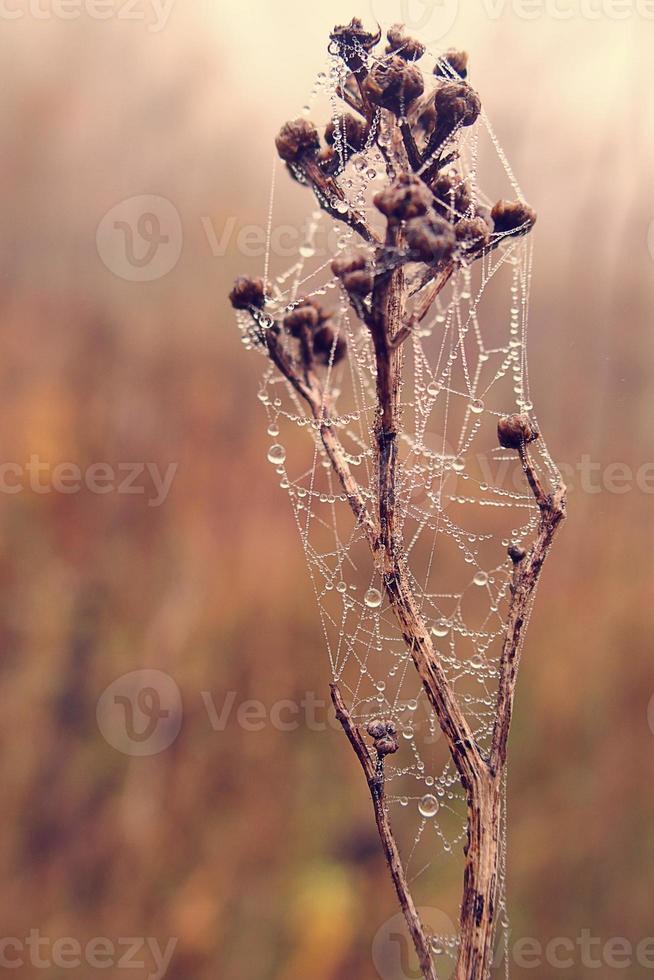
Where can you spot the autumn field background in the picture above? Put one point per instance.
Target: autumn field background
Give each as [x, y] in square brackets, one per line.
[250, 845]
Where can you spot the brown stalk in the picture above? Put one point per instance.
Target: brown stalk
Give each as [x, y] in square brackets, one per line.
[389, 324]
[374, 773]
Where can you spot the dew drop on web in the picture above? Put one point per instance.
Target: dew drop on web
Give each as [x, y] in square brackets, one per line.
[373, 598]
[276, 455]
[428, 806]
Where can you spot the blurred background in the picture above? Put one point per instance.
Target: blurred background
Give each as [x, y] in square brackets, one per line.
[143, 529]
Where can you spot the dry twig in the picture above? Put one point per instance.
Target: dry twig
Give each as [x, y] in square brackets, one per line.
[429, 220]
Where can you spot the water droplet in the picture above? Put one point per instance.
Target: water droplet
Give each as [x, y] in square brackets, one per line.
[428, 806]
[276, 454]
[477, 406]
[342, 207]
[441, 628]
[412, 705]
[481, 578]
[273, 430]
[458, 466]
[373, 598]
[307, 251]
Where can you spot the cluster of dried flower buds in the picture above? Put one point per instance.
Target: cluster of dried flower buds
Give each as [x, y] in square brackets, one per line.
[392, 82]
[319, 340]
[384, 735]
[313, 327]
[432, 207]
[354, 272]
[436, 204]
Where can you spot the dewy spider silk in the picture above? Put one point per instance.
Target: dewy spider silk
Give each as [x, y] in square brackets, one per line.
[460, 526]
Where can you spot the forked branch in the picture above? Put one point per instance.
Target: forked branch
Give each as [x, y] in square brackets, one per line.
[432, 228]
[374, 773]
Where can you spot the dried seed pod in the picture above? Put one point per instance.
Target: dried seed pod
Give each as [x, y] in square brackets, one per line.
[386, 745]
[304, 316]
[353, 271]
[430, 238]
[516, 554]
[297, 140]
[472, 232]
[456, 60]
[350, 130]
[406, 197]
[348, 38]
[401, 44]
[247, 293]
[394, 84]
[451, 196]
[359, 283]
[513, 217]
[324, 342]
[349, 261]
[456, 104]
[376, 728]
[514, 431]
[323, 315]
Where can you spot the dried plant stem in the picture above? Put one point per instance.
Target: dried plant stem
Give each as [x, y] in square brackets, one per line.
[525, 580]
[481, 778]
[374, 773]
[391, 307]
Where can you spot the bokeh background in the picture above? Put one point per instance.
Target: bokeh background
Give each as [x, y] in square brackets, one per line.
[254, 849]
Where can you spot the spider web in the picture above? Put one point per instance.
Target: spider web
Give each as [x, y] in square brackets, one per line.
[461, 500]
